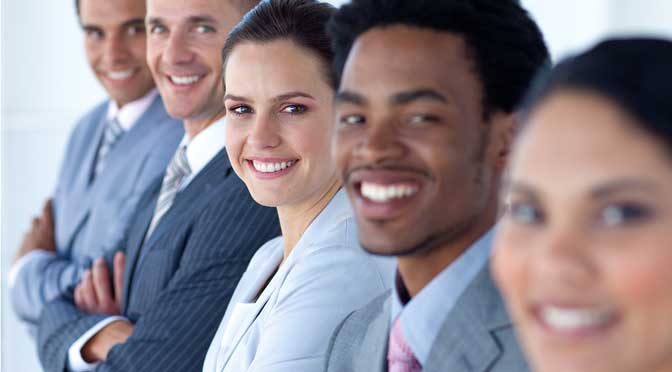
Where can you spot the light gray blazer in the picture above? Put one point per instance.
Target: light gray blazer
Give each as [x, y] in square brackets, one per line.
[477, 336]
[91, 218]
[287, 329]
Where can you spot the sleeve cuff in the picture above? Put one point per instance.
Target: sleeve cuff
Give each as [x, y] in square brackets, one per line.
[76, 362]
[21, 262]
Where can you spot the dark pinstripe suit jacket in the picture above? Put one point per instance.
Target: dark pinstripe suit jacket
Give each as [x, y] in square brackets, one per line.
[176, 286]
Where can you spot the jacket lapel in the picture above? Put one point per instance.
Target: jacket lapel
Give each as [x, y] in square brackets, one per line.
[82, 187]
[466, 341]
[134, 243]
[194, 196]
[251, 284]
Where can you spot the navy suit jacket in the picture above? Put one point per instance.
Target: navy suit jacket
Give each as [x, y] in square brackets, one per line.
[178, 284]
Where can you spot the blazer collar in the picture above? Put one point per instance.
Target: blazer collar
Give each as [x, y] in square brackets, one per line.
[466, 341]
[336, 210]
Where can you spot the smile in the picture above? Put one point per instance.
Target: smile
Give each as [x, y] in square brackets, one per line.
[575, 319]
[272, 167]
[184, 80]
[120, 75]
[380, 193]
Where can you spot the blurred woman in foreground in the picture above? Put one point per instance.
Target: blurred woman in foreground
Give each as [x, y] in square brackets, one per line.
[584, 253]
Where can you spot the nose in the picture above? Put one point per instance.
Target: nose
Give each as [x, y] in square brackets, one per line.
[264, 133]
[116, 49]
[566, 257]
[177, 50]
[380, 143]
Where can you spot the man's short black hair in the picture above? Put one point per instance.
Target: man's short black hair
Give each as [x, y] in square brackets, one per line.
[506, 45]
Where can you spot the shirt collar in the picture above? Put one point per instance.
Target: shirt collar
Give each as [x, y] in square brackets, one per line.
[205, 145]
[421, 318]
[129, 114]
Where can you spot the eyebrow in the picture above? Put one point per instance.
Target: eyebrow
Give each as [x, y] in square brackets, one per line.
[191, 19]
[614, 187]
[403, 98]
[280, 98]
[345, 96]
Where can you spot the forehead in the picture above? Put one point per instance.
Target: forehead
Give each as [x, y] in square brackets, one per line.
[110, 12]
[248, 71]
[386, 60]
[589, 140]
[182, 10]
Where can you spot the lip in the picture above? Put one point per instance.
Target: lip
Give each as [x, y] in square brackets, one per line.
[120, 80]
[589, 320]
[270, 175]
[392, 208]
[184, 87]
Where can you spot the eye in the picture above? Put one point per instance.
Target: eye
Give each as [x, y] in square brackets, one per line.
[421, 119]
[136, 30]
[623, 214]
[204, 29]
[295, 109]
[157, 29]
[352, 119]
[525, 213]
[241, 110]
[94, 34]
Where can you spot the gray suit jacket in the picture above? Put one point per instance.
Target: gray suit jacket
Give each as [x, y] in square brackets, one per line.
[477, 336]
[91, 217]
[178, 284]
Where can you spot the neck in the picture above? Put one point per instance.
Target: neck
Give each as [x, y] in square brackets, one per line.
[295, 219]
[417, 270]
[195, 126]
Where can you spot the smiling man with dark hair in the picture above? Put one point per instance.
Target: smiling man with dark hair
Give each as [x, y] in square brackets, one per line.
[426, 110]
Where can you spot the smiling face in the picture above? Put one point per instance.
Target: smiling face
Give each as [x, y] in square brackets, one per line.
[115, 47]
[184, 53]
[583, 255]
[279, 122]
[419, 163]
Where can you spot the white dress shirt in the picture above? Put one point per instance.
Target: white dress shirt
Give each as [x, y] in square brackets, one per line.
[200, 151]
[287, 327]
[127, 116]
[421, 318]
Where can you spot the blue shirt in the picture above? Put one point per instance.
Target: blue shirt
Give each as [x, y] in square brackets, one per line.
[421, 318]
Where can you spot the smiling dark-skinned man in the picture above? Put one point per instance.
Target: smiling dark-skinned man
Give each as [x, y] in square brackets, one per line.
[426, 110]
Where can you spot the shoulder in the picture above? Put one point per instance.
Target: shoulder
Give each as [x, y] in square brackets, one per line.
[92, 118]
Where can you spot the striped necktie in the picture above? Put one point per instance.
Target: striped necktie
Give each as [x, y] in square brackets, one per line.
[113, 132]
[177, 171]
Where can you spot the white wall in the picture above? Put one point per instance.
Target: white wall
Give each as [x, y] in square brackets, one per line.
[46, 85]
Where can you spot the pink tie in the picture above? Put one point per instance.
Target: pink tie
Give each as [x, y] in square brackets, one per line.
[400, 357]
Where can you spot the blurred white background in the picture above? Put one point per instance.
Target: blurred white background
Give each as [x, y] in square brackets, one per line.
[46, 85]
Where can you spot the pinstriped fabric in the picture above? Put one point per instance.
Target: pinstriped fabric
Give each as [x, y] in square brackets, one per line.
[113, 132]
[181, 281]
[177, 171]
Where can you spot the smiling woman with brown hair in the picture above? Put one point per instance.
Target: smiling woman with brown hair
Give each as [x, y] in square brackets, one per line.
[278, 96]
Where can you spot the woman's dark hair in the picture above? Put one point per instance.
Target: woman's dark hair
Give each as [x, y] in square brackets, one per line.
[300, 21]
[505, 44]
[634, 73]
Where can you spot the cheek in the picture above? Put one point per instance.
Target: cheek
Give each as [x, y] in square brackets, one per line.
[341, 148]
[235, 141]
[509, 264]
[641, 274]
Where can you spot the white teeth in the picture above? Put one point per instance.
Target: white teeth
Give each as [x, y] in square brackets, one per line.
[120, 75]
[573, 319]
[185, 80]
[272, 167]
[383, 193]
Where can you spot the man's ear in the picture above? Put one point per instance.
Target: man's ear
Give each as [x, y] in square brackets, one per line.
[503, 129]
